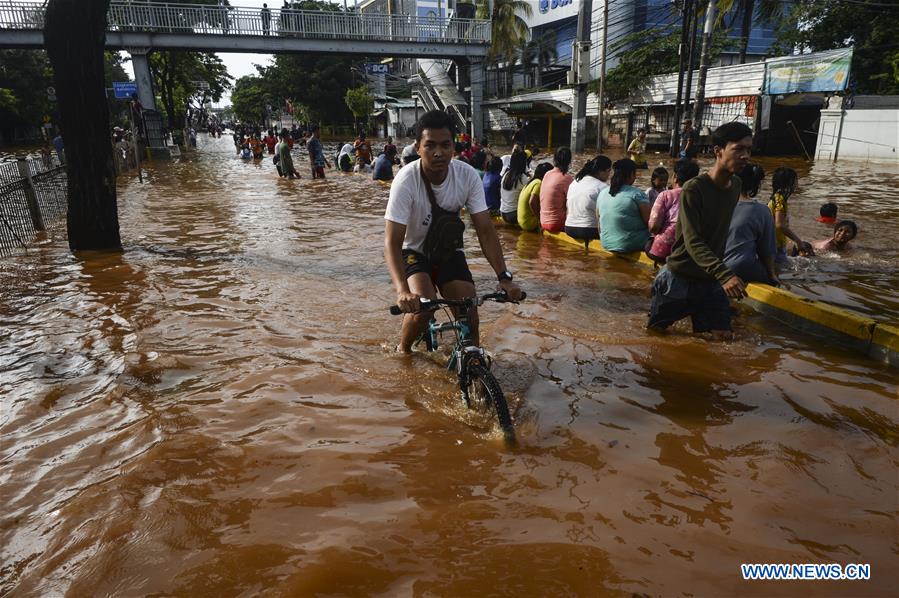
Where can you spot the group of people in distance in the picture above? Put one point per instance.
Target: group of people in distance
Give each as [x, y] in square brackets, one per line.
[707, 231]
[357, 157]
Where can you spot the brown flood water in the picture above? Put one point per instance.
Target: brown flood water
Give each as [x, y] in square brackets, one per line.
[218, 412]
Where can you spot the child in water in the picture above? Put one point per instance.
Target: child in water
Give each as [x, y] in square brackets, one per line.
[245, 153]
[843, 232]
[784, 182]
[828, 213]
[659, 184]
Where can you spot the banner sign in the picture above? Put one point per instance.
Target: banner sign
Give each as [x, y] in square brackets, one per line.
[124, 89]
[377, 69]
[819, 72]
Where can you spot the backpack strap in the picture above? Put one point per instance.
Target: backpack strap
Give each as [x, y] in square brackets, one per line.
[430, 191]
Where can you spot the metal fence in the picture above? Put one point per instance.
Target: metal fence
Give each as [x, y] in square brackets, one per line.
[33, 197]
[232, 20]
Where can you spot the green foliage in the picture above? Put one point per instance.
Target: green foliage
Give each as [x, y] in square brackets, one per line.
[316, 81]
[24, 78]
[249, 99]
[763, 12]
[508, 30]
[646, 54]
[175, 77]
[8, 101]
[868, 25]
[360, 101]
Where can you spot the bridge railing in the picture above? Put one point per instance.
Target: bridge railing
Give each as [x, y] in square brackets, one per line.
[156, 17]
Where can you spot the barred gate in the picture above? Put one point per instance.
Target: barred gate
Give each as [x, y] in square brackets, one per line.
[33, 197]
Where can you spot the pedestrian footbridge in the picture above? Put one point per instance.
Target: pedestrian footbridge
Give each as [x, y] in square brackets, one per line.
[140, 27]
[173, 26]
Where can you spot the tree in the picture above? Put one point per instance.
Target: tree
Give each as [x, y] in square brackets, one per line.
[249, 99]
[317, 81]
[749, 11]
[867, 25]
[24, 78]
[75, 36]
[175, 76]
[540, 52]
[639, 62]
[507, 31]
[360, 102]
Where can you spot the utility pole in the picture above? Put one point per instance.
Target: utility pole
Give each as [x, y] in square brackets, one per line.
[682, 54]
[602, 74]
[704, 64]
[581, 73]
[691, 63]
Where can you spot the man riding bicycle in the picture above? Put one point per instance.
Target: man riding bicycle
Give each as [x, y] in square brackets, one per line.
[419, 258]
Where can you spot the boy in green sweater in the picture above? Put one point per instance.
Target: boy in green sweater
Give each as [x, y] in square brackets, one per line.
[695, 282]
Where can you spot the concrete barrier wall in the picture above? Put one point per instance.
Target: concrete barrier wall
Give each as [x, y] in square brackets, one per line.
[859, 134]
[838, 326]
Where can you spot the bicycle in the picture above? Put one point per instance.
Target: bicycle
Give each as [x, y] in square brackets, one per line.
[480, 389]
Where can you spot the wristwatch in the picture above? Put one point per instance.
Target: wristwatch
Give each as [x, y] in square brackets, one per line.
[504, 276]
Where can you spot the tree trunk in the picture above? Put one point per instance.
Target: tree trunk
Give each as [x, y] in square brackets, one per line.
[746, 28]
[75, 37]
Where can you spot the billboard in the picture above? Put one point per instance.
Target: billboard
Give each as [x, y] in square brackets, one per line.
[549, 11]
[819, 72]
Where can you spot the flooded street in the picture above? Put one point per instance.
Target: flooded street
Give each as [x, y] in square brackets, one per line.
[218, 411]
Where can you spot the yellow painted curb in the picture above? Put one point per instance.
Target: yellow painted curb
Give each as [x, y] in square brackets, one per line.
[858, 332]
[885, 344]
[819, 313]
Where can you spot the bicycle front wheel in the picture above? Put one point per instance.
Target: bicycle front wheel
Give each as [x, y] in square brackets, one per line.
[485, 393]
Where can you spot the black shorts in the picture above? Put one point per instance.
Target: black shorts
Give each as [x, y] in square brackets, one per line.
[582, 232]
[456, 268]
[510, 217]
[676, 297]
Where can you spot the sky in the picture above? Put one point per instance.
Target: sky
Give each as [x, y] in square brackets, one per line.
[240, 65]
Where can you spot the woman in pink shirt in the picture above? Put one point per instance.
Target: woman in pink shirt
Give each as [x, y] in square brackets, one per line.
[554, 192]
[663, 217]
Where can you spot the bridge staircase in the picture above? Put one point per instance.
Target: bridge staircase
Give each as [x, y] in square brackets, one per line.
[436, 90]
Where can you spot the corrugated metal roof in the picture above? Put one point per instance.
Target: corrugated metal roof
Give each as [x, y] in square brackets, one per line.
[721, 82]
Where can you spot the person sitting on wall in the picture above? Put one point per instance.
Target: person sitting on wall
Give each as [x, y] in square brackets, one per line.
[623, 211]
[750, 247]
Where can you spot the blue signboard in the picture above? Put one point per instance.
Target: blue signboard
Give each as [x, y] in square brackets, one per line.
[546, 5]
[124, 89]
[377, 69]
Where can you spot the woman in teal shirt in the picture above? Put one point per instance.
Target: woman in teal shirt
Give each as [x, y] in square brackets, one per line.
[623, 211]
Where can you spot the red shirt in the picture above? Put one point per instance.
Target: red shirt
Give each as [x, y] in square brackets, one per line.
[553, 194]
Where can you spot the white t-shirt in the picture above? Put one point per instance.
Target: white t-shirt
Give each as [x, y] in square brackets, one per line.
[409, 151]
[581, 202]
[346, 149]
[409, 203]
[508, 200]
[507, 161]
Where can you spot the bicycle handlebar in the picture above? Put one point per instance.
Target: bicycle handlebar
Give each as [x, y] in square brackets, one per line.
[432, 304]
